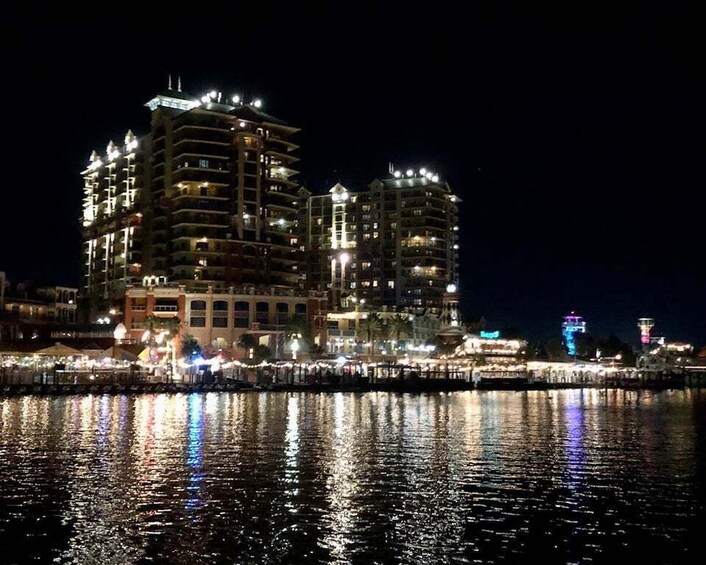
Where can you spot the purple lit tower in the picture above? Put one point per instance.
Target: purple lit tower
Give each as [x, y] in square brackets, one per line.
[572, 325]
[645, 325]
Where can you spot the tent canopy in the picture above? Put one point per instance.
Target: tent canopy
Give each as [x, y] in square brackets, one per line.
[59, 350]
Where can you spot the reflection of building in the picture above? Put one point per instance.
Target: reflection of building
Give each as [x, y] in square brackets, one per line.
[394, 244]
[572, 325]
[206, 196]
[218, 318]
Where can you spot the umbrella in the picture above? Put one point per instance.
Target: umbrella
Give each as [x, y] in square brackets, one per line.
[59, 350]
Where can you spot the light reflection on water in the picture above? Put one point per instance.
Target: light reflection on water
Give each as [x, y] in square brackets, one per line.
[565, 476]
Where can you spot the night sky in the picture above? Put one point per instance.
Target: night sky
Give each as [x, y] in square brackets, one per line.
[574, 138]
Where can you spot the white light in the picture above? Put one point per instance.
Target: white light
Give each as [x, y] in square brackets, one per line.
[280, 221]
[212, 94]
[344, 258]
[435, 178]
[451, 288]
[257, 103]
[242, 124]
[410, 173]
[417, 268]
[429, 176]
[455, 245]
[236, 99]
[246, 216]
[398, 174]
[422, 171]
[205, 99]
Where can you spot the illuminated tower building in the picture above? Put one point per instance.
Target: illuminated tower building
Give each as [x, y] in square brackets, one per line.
[394, 244]
[111, 222]
[206, 198]
[645, 325]
[222, 199]
[572, 325]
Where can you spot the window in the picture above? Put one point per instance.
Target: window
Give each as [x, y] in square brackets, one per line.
[220, 306]
[365, 264]
[241, 315]
[376, 234]
[375, 283]
[198, 321]
[390, 284]
[418, 212]
[300, 308]
[198, 305]
[203, 163]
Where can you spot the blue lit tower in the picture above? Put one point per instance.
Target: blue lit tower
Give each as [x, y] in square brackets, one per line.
[572, 325]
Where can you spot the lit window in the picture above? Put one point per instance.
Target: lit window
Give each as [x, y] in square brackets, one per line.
[390, 284]
[203, 163]
[375, 283]
[376, 234]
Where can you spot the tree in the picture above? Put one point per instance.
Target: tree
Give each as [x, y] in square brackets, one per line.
[556, 350]
[262, 353]
[369, 330]
[298, 326]
[586, 346]
[400, 326]
[190, 348]
[246, 342]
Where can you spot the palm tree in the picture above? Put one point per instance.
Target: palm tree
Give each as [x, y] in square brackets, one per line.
[247, 342]
[400, 326]
[369, 330]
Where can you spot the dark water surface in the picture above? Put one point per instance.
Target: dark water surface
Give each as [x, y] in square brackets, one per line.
[554, 476]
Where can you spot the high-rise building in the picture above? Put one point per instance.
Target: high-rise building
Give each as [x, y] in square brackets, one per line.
[206, 197]
[394, 244]
[112, 221]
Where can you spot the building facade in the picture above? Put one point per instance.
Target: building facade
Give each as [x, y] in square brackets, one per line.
[207, 197]
[218, 318]
[111, 222]
[394, 244]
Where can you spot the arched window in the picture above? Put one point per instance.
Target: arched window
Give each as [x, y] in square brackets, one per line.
[241, 315]
[220, 314]
[198, 305]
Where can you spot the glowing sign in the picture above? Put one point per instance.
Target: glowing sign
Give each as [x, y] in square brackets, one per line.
[490, 335]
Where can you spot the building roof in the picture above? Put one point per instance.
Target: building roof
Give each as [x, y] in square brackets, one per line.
[251, 113]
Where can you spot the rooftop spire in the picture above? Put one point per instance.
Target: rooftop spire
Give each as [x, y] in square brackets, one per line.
[169, 83]
[179, 83]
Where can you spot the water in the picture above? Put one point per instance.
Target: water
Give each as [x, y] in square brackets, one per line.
[489, 477]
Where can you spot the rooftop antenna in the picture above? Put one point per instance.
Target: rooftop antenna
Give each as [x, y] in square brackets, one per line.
[179, 83]
[390, 168]
[169, 84]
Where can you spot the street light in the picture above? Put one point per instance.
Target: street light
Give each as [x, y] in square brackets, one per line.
[295, 348]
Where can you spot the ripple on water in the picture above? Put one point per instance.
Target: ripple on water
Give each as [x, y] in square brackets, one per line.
[565, 476]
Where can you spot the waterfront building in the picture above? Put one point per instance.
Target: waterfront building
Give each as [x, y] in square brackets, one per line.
[31, 313]
[218, 317]
[572, 325]
[207, 196]
[394, 244]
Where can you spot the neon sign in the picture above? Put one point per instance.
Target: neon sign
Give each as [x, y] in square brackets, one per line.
[490, 335]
